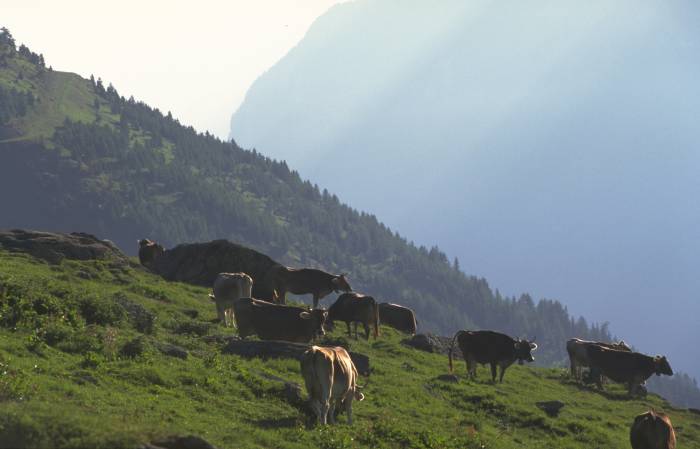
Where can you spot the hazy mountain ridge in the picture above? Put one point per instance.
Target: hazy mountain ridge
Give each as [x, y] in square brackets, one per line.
[550, 146]
[94, 161]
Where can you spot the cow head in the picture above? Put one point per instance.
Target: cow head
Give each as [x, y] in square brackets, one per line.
[523, 351]
[340, 283]
[318, 320]
[149, 251]
[662, 366]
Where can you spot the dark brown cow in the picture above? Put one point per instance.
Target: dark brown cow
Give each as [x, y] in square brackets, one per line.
[149, 251]
[278, 322]
[355, 308]
[493, 348]
[578, 355]
[631, 368]
[304, 281]
[399, 317]
[652, 430]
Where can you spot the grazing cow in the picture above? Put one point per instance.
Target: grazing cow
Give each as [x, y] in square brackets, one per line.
[652, 430]
[305, 281]
[578, 356]
[631, 368]
[493, 348]
[278, 322]
[331, 381]
[228, 288]
[399, 317]
[355, 308]
[149, 251]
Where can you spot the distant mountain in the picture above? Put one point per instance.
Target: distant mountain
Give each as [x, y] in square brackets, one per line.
[551, 146]
[77, 156]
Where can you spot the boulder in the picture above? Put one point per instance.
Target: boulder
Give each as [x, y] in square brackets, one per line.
[432, 343]
[283, 349]
[200, 263]
[54, 247]
[448, 378]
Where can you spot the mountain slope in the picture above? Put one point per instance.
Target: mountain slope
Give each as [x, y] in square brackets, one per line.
[72, 334]
[94, 161]
[551, 146]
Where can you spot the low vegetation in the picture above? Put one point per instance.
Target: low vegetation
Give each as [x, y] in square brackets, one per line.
[88, 359]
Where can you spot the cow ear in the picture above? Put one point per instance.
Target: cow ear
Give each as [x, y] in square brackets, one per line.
[533, 346]
[305, 315]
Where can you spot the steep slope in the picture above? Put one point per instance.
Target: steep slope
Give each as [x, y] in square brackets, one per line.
[94, 161]
[94, 336]
[551, 146]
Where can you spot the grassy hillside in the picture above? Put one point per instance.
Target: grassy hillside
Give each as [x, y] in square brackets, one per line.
[77, 156]
[77, 372]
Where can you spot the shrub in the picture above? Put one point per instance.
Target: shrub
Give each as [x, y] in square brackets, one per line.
[97, 310]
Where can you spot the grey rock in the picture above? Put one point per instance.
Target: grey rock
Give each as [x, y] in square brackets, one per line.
[551, 408]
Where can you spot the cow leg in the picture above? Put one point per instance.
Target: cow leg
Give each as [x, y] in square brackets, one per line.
[366, 330]
[348, 407]
[493, 372]
[503, 371]
[331, 412]
[316, 299]
[573, 369]
[220, 313]
[347, 323]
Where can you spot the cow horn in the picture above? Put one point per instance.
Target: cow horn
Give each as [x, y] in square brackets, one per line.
[305, 315]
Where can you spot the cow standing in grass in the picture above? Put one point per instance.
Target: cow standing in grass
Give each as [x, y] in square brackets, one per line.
[355, 308]
[229, 288]
[578, 353]
[494, 348]
[652, 430]
[304, 281]
[331, 382]
[631, 368]
[278, 322]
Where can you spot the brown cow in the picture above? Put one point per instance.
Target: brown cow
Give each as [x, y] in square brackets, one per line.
[355, 308]
[304, 281]
[278, 322]
[228, 288]
[652, 430]
[578, 357]
[399, 317]
[631, 368]
[149, 251]
[331, 381]
[493, 348]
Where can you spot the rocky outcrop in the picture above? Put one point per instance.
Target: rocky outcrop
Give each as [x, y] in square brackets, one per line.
[54, 247]
[200, 263]
[432, 343]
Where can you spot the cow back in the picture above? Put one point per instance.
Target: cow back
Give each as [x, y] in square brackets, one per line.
[397, 316]
[652, 430]
[620, 366]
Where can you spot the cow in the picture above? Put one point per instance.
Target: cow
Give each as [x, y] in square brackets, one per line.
[278, 322]
[399, 317]
[578, 356]
[493, 348]
[228, 288]
[331, 382]
[631, 368]
[149, 251]
[355, 308]
[304, 281]
[652, 430]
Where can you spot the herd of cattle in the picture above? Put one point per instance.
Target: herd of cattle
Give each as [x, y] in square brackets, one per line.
[331, 377]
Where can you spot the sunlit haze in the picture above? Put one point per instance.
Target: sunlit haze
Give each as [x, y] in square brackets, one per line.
[195, 59]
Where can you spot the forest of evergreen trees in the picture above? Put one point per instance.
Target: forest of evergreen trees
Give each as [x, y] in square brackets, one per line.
[135, 172]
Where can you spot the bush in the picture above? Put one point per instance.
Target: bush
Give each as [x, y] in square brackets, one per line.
[136, 348]
[97, 310]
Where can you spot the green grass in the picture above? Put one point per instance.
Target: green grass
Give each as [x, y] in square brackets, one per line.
[76, 372]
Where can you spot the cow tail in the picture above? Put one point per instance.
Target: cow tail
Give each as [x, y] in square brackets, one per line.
[452, 346]
[376, 319]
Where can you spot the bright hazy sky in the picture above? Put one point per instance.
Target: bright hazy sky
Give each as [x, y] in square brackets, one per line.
[195, 59]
